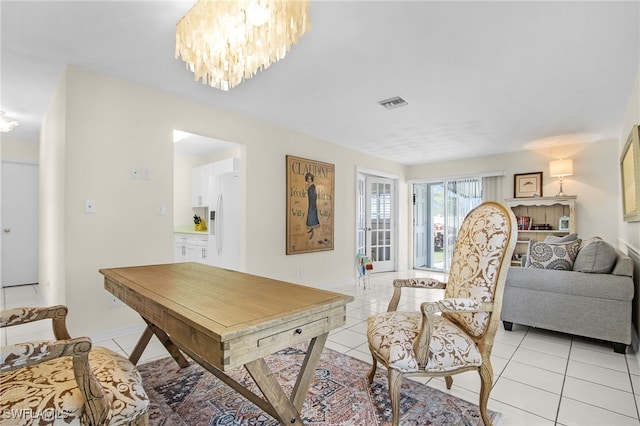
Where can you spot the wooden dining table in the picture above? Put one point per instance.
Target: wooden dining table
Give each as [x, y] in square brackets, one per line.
[223, 319]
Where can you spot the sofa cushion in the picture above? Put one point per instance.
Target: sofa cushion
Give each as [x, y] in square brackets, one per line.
[554, 239]
[595, 256]
[584, 286]
[552, 256]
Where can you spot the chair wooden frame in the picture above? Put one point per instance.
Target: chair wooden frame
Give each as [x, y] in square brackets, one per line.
[96, 406]
[429, 310]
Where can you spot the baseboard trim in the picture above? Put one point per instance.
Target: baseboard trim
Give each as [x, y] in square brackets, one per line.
[117, 332]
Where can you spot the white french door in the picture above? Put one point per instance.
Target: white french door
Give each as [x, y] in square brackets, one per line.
[375, 220]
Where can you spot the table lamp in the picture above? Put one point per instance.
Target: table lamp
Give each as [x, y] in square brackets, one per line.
[561, 168]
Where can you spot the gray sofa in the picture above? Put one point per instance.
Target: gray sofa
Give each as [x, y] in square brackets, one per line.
[594, 305]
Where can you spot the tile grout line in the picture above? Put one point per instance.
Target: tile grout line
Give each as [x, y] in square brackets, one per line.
[564, 380]
[633, 393]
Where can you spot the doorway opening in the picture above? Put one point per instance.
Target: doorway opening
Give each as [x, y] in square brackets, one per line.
[207, 189]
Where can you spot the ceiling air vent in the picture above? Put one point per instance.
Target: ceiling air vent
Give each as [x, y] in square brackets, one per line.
[394, 102]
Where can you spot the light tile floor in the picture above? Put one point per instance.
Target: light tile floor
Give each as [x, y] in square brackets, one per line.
[541, 377]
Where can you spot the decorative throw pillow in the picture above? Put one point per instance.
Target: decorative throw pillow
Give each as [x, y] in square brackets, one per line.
[553, 256]
[595, 256]
[554, 239]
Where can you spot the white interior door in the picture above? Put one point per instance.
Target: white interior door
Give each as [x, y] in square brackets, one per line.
[19, 223]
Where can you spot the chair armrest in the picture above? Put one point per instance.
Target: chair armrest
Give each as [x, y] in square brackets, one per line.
[419, 283]
[32, 353]
[398, 284]
[452, 305]
[455, 305]
[24, 315]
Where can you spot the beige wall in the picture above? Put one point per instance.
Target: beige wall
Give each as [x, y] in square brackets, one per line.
[594, 181]
[53, 204]
[84, 155]
[19, 151]
[629, 232]
[110, 126]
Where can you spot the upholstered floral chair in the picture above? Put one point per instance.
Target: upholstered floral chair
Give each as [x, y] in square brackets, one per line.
[66, 381]
[456, 334]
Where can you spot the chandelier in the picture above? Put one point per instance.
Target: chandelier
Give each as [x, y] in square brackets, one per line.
[6, 124]
[225, 42]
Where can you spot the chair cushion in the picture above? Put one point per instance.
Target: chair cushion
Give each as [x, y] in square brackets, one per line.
[552, 256]
[49, 390]
[595, 256]
[391, 336]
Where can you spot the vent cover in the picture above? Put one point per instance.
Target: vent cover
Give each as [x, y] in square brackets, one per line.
[394, 102]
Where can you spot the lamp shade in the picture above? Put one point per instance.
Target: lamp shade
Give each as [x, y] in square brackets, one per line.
[559, 168]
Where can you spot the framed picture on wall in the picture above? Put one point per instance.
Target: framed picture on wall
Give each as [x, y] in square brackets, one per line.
[310, 205]
[527, 185]
[630, 176]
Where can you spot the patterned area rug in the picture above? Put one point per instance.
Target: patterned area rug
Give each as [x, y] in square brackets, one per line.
[339, 395]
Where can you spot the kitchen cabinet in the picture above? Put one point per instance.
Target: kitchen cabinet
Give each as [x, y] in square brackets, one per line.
[231, 164]
[200, 185]
[191, 248]
[539, 217]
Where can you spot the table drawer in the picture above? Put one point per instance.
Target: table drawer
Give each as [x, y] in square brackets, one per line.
[304, 331]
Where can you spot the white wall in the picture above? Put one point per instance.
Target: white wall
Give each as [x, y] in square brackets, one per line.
[110, 126]
[594, 180]
[629, 232]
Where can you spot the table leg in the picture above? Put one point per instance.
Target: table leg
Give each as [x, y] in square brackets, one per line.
[272, 391]
[164, 339]
[289, 409]
[308, 370]
[143, 341]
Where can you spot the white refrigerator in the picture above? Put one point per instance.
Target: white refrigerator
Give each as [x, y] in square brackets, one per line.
[224, 220]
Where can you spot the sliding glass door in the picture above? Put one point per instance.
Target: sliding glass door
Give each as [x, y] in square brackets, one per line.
[438, 211]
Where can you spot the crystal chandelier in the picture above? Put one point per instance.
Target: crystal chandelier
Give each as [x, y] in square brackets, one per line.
[6, 124]
[224, 42]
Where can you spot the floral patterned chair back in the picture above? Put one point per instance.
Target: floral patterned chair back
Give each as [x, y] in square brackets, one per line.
[478, 256]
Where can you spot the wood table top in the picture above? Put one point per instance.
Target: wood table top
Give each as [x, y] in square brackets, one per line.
[225, 302]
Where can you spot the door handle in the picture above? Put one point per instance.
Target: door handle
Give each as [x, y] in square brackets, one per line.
[6, 230]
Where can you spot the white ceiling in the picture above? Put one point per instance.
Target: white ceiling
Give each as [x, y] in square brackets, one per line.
[480, 77]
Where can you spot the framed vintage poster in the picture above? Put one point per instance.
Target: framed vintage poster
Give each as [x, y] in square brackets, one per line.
[527, 185]
[310, 205]
[630, 176]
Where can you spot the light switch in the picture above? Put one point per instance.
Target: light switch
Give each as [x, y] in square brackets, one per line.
[134, 173]
[89, 206]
